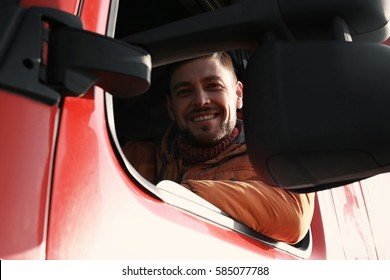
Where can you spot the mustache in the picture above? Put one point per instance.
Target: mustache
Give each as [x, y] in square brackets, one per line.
[200, 110]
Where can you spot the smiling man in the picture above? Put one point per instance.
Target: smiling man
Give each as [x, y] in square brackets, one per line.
[204, 150]
[205, 96]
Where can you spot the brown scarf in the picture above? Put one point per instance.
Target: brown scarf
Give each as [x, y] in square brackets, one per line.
[193, 155]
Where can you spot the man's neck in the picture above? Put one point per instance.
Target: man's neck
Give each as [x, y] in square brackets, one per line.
[192, 154]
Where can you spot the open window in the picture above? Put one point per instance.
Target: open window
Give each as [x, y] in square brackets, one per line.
[340, 38]
[266, 35]
[145, 118]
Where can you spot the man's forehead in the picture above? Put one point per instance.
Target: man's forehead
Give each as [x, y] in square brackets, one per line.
[201, 68]
[188, 83]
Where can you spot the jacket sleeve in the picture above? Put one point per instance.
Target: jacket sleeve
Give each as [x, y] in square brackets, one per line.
[272, 211]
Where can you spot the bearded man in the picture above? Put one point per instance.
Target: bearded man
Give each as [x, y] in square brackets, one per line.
[204, 150]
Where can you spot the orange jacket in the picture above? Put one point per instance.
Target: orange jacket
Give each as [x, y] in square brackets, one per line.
[230, 183]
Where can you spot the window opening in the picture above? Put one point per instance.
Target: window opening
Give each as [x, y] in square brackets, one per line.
[124, 115]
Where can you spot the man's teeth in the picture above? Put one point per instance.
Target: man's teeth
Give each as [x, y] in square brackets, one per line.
[203, 118]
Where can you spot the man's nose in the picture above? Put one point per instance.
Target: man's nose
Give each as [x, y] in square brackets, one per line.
[201, 98]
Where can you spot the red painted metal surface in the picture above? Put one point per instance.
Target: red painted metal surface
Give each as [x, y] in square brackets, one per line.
[94, 15]
[98, 211]
[354, 222]
[354, 225]
[70, 6]
[376, 192]
[28, 130]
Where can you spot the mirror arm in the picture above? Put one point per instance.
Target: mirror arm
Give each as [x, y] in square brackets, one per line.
[341, 30]
[119, 68]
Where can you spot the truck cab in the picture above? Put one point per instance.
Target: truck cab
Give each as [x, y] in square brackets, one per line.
[78, 79]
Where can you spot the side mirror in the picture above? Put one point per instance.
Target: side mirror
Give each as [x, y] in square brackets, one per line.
[317, 113]
[52, 55]
[119, 68]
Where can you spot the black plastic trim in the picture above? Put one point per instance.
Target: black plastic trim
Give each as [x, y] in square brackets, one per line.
[121, 69]
[23, 33]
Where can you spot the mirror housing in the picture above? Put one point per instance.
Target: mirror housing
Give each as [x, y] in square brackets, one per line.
[45, 54]
[317, 113]
[119, 68]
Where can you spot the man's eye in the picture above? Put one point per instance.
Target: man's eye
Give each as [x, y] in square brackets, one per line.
[215, 87]
[183, 92]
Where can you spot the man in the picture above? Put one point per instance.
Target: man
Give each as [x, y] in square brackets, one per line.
[204, 150]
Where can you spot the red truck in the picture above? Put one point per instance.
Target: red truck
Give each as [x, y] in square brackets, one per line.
[75, 76]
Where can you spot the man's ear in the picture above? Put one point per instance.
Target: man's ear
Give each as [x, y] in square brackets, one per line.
[239, 92]
[169, 107]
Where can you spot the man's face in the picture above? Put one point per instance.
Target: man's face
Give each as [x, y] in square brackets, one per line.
[203, 101]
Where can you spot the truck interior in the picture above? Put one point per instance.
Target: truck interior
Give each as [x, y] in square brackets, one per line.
[304, 67]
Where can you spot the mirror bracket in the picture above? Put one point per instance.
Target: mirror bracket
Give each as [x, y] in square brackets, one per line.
[119, 68]
[23, 48]
[39, 58]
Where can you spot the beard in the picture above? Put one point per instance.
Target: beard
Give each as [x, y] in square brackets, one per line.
[207, 137]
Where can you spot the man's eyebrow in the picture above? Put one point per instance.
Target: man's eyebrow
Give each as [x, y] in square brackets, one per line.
[212, 78]
[188, 84]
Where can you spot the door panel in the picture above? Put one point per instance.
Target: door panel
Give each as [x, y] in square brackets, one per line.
[29, 119]
[27, 130]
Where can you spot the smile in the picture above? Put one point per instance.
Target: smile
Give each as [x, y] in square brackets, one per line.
[204, 117]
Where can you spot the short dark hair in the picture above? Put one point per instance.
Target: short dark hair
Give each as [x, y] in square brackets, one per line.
[225, 60]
